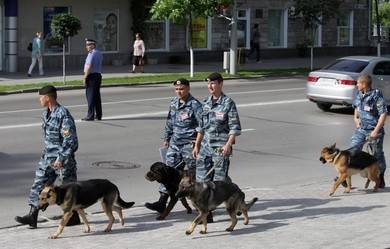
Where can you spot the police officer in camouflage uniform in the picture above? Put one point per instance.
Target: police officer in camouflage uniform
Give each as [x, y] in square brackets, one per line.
[369, 117]
[180, 134]
[217, 132]
[58, 159]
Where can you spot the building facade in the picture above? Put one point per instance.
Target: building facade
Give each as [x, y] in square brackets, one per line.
[111, 24]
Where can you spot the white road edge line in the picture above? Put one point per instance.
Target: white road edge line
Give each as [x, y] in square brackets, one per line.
[136, 115]
[163, 98]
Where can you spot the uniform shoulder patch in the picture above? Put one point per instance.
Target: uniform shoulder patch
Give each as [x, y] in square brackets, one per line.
[66, 132]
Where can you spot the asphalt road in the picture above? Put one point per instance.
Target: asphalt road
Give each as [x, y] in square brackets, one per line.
[282, 136]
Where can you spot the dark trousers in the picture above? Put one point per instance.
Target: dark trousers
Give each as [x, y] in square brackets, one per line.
[255, 46]
[92, 92]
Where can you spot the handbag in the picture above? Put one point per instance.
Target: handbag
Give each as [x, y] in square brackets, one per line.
[29, 47]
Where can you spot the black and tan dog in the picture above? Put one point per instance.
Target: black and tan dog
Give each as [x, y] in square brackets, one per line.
[77, 196]
[349, 163]
[170, 178]
[207, 196]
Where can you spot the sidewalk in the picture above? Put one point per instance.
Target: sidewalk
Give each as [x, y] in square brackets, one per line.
[296, 216]
[123, 71]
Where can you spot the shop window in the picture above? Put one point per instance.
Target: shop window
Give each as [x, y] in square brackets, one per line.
[156, 35]
[201, 30]
[53, 45]
[243, 28]
[277, 28]
[345, 29]
[105, 24]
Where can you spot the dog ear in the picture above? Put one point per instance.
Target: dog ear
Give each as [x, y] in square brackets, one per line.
[333, 146]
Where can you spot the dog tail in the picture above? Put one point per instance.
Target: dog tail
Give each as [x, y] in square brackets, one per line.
[250, 204]
[124, 204]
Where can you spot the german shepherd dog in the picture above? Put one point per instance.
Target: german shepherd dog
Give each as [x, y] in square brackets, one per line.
[170, 178]
[208, 196]
[80, 195]
[349, 163]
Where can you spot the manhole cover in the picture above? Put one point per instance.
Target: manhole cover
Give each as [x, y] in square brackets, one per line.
[115, 165]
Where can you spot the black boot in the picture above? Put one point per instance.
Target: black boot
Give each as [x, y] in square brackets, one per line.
[159, 205]
[29, 219]
[382, 180]
[74, 220]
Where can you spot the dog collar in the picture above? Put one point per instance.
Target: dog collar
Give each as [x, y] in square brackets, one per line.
[335, 155]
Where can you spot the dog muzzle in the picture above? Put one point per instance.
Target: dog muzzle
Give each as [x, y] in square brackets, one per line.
[44, 206]
[322, 160]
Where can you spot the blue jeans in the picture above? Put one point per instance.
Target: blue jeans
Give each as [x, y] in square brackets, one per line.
[359, 138]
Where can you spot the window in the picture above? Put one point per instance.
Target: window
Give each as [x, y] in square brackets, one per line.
[277, 28]
[53, 45]
[243, 28]
[347, 66]
[201, 28]
[156, 34]
[345, 30]
[105, 26]
[318, 36]
[382, 68]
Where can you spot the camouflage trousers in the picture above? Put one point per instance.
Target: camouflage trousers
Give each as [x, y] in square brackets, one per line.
[177, 154]
[359, 139]
[46, 174]
[209, 157]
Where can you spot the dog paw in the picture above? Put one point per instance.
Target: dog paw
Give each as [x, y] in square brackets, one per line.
[107, 230]
[53, 236]
[160, 217]
[229, 229]
[246, 222]
[331, 193]
[346, 191]
[202, 232]
[188, 232]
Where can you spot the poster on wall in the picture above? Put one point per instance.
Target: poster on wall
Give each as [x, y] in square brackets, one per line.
[53, 45]
[199, 33]
[106, 29]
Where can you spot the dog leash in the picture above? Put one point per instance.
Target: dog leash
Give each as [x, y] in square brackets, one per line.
[216, 164]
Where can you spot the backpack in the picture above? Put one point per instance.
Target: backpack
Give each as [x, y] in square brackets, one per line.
[29, 47]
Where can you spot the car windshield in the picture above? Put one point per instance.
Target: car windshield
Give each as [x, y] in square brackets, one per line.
[347, 66]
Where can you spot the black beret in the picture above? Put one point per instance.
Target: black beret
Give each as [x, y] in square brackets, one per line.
[214, 76]
[181, 81]
[48, 90]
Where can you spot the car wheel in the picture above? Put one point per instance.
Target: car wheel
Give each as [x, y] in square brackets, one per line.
[324, 106]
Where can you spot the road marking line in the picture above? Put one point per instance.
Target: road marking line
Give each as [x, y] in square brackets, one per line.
[136, 115]
[156, 99]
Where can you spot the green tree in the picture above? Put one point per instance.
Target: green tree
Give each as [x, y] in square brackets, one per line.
[183, 11]
[64, 25]
[314, 13]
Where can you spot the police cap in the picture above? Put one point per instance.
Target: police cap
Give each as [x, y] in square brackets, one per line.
[214, 77]
[181, 81]
[90, 41]
[48, 90]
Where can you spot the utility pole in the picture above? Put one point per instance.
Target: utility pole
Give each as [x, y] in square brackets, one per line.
[233, 41]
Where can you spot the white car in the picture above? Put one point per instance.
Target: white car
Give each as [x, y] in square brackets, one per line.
[335, 84]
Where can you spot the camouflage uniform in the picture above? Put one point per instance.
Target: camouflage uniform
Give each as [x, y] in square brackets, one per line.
[60, 139]
[370, 106]
[180, 132]
[219, 120]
